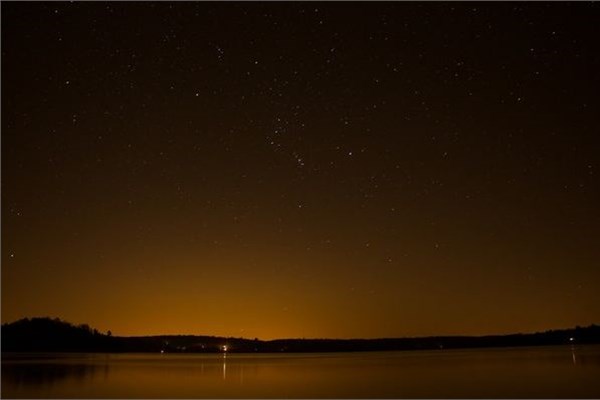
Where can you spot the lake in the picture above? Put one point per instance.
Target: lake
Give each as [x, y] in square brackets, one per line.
[533, 372]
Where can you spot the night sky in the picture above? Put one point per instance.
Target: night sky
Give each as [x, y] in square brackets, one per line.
[302, 169]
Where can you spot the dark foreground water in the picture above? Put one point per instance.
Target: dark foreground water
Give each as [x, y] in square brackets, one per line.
[544, 372]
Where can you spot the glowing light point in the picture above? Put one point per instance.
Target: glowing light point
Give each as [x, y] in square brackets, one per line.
[225, 349]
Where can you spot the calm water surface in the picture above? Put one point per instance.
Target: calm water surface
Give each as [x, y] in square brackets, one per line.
[543, 372]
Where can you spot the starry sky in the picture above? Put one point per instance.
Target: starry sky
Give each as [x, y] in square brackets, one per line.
[301, 169]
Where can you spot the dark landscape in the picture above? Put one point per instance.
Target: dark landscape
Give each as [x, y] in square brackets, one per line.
[55, 335]
[300, 199]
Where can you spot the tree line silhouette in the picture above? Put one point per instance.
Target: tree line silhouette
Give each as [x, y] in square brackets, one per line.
[55, 335]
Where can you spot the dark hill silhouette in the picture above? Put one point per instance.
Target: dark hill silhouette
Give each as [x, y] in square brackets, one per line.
[46, 334]
[55, 335]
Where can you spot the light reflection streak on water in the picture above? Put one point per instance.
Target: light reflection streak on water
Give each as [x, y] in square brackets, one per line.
[541, 372]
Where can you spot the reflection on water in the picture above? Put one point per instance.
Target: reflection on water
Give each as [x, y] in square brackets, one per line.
[47, 374]
[543, 372]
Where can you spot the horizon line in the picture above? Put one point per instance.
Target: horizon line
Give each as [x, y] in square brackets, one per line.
[311, 338]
